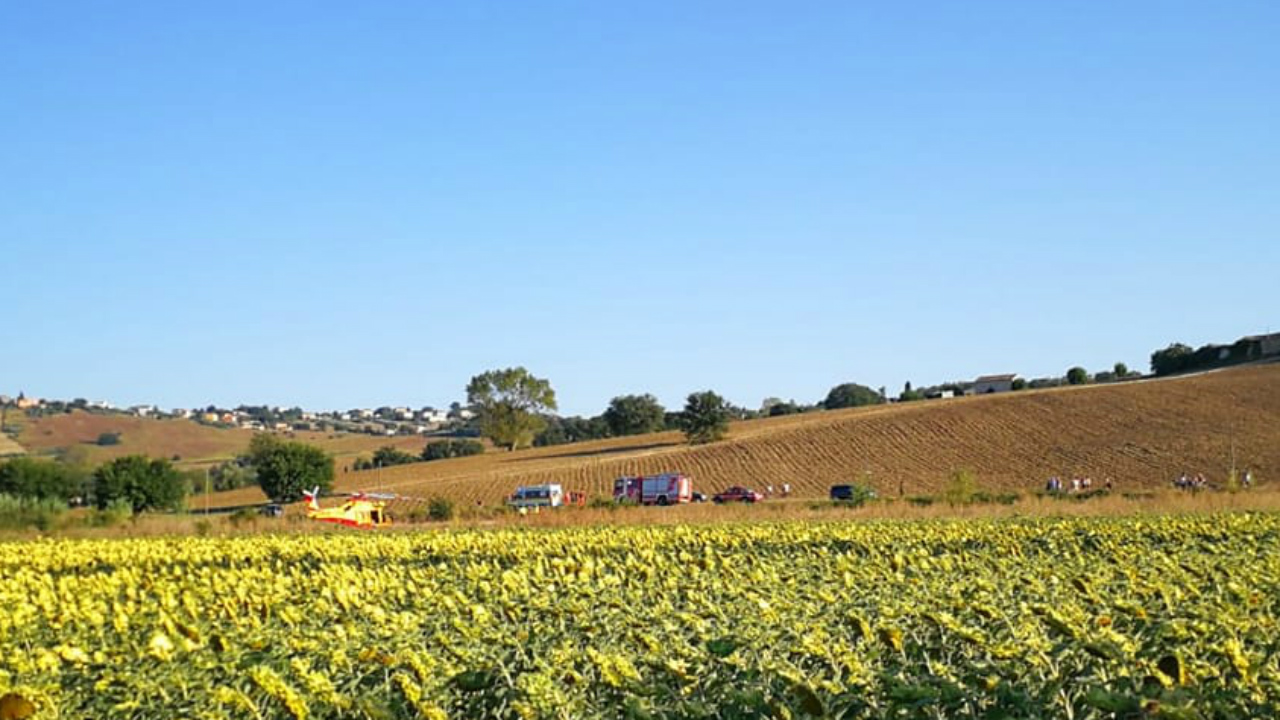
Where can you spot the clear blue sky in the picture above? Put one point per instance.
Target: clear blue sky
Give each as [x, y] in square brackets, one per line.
[355, 204]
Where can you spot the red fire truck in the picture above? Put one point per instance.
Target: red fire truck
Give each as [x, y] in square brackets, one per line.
[664, 489]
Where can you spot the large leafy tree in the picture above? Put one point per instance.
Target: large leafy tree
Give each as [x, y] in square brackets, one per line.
[509, 404]
[1175, 358]
[143, 482]
[851, 395]
[286, 469]
[43, 479]
[634, 415]
[705, 418]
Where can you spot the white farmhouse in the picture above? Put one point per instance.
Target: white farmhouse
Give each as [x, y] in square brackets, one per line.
[993, 384]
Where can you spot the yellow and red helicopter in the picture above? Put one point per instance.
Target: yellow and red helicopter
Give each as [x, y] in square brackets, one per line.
[361, 510]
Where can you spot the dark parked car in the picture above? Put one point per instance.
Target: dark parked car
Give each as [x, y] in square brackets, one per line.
[272, 510]
[698, 497]
[737, 494]
[851, 494]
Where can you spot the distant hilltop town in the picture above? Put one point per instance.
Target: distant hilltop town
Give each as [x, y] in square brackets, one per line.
[263, 418]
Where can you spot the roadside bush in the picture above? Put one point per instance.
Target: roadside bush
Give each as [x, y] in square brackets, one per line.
[20, 513]
[962, 488]
[115, 513]
[439, 508]
[600, 502]
[444, 449]
[109, 438]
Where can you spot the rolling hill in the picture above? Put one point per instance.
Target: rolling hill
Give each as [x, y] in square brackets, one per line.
[1141, 434]
[194, 445]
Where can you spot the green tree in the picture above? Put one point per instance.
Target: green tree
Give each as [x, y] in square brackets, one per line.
[143, 482]
[634, 415]
[909, 394]
[286, 469]
[1121, 370]
[509, 404]
[233, 474]
[1175, 358]
[389, 455]
[445, 449]
[41, 479]
[1077, 376]
[1019, 384]
[851, 395]
[705, 418]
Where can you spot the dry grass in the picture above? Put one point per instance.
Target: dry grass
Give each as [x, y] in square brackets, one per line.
[1164, 502]
[195, 444]
[1141, 434]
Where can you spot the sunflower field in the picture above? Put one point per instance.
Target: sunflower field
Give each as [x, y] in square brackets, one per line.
[1162, 617]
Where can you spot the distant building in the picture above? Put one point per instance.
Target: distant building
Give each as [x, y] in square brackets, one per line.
[993, 384]
[26, 403]
[1263, 345]
[940, 395]
[209, 417]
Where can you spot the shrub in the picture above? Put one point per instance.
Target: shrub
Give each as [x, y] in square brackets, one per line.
[445, 449]
[115, 513]
[962, 487]
[109, 438]
[600, 502]
[19, 513]
[439, 508]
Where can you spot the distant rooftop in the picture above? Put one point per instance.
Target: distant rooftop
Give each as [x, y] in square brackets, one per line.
[997, 378]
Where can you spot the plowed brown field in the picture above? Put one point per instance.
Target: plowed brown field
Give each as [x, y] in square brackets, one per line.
[1141, 434]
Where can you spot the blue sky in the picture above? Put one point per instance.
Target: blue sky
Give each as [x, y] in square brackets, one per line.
[353, 204]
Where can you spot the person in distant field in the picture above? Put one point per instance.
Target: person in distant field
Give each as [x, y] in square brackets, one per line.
[1075, 484]
[1248, 477]
[786, 489]
[1086, 483]
[768, 489]
[1107, 484]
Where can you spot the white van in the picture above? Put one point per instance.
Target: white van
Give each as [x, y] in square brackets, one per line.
[528, 496]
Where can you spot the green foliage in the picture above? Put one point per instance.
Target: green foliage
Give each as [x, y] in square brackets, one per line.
[116, 513]
[445, 449]
[42, 479]
[509, 404]
[439, 508]
[233, 474]
[286, 469]
[1175, 358]
[634, 415]
[849, 395]
[108, 438]
[389, 455]
[573, 429]
[961, 488]
[20, 513]
[1121, 371]
[705, 418]
[145, 483]
[1077, 376]
[1019, 384]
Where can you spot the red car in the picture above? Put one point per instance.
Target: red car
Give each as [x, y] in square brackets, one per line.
[737, 494]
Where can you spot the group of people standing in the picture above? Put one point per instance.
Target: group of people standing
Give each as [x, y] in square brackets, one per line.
[1078, 484]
